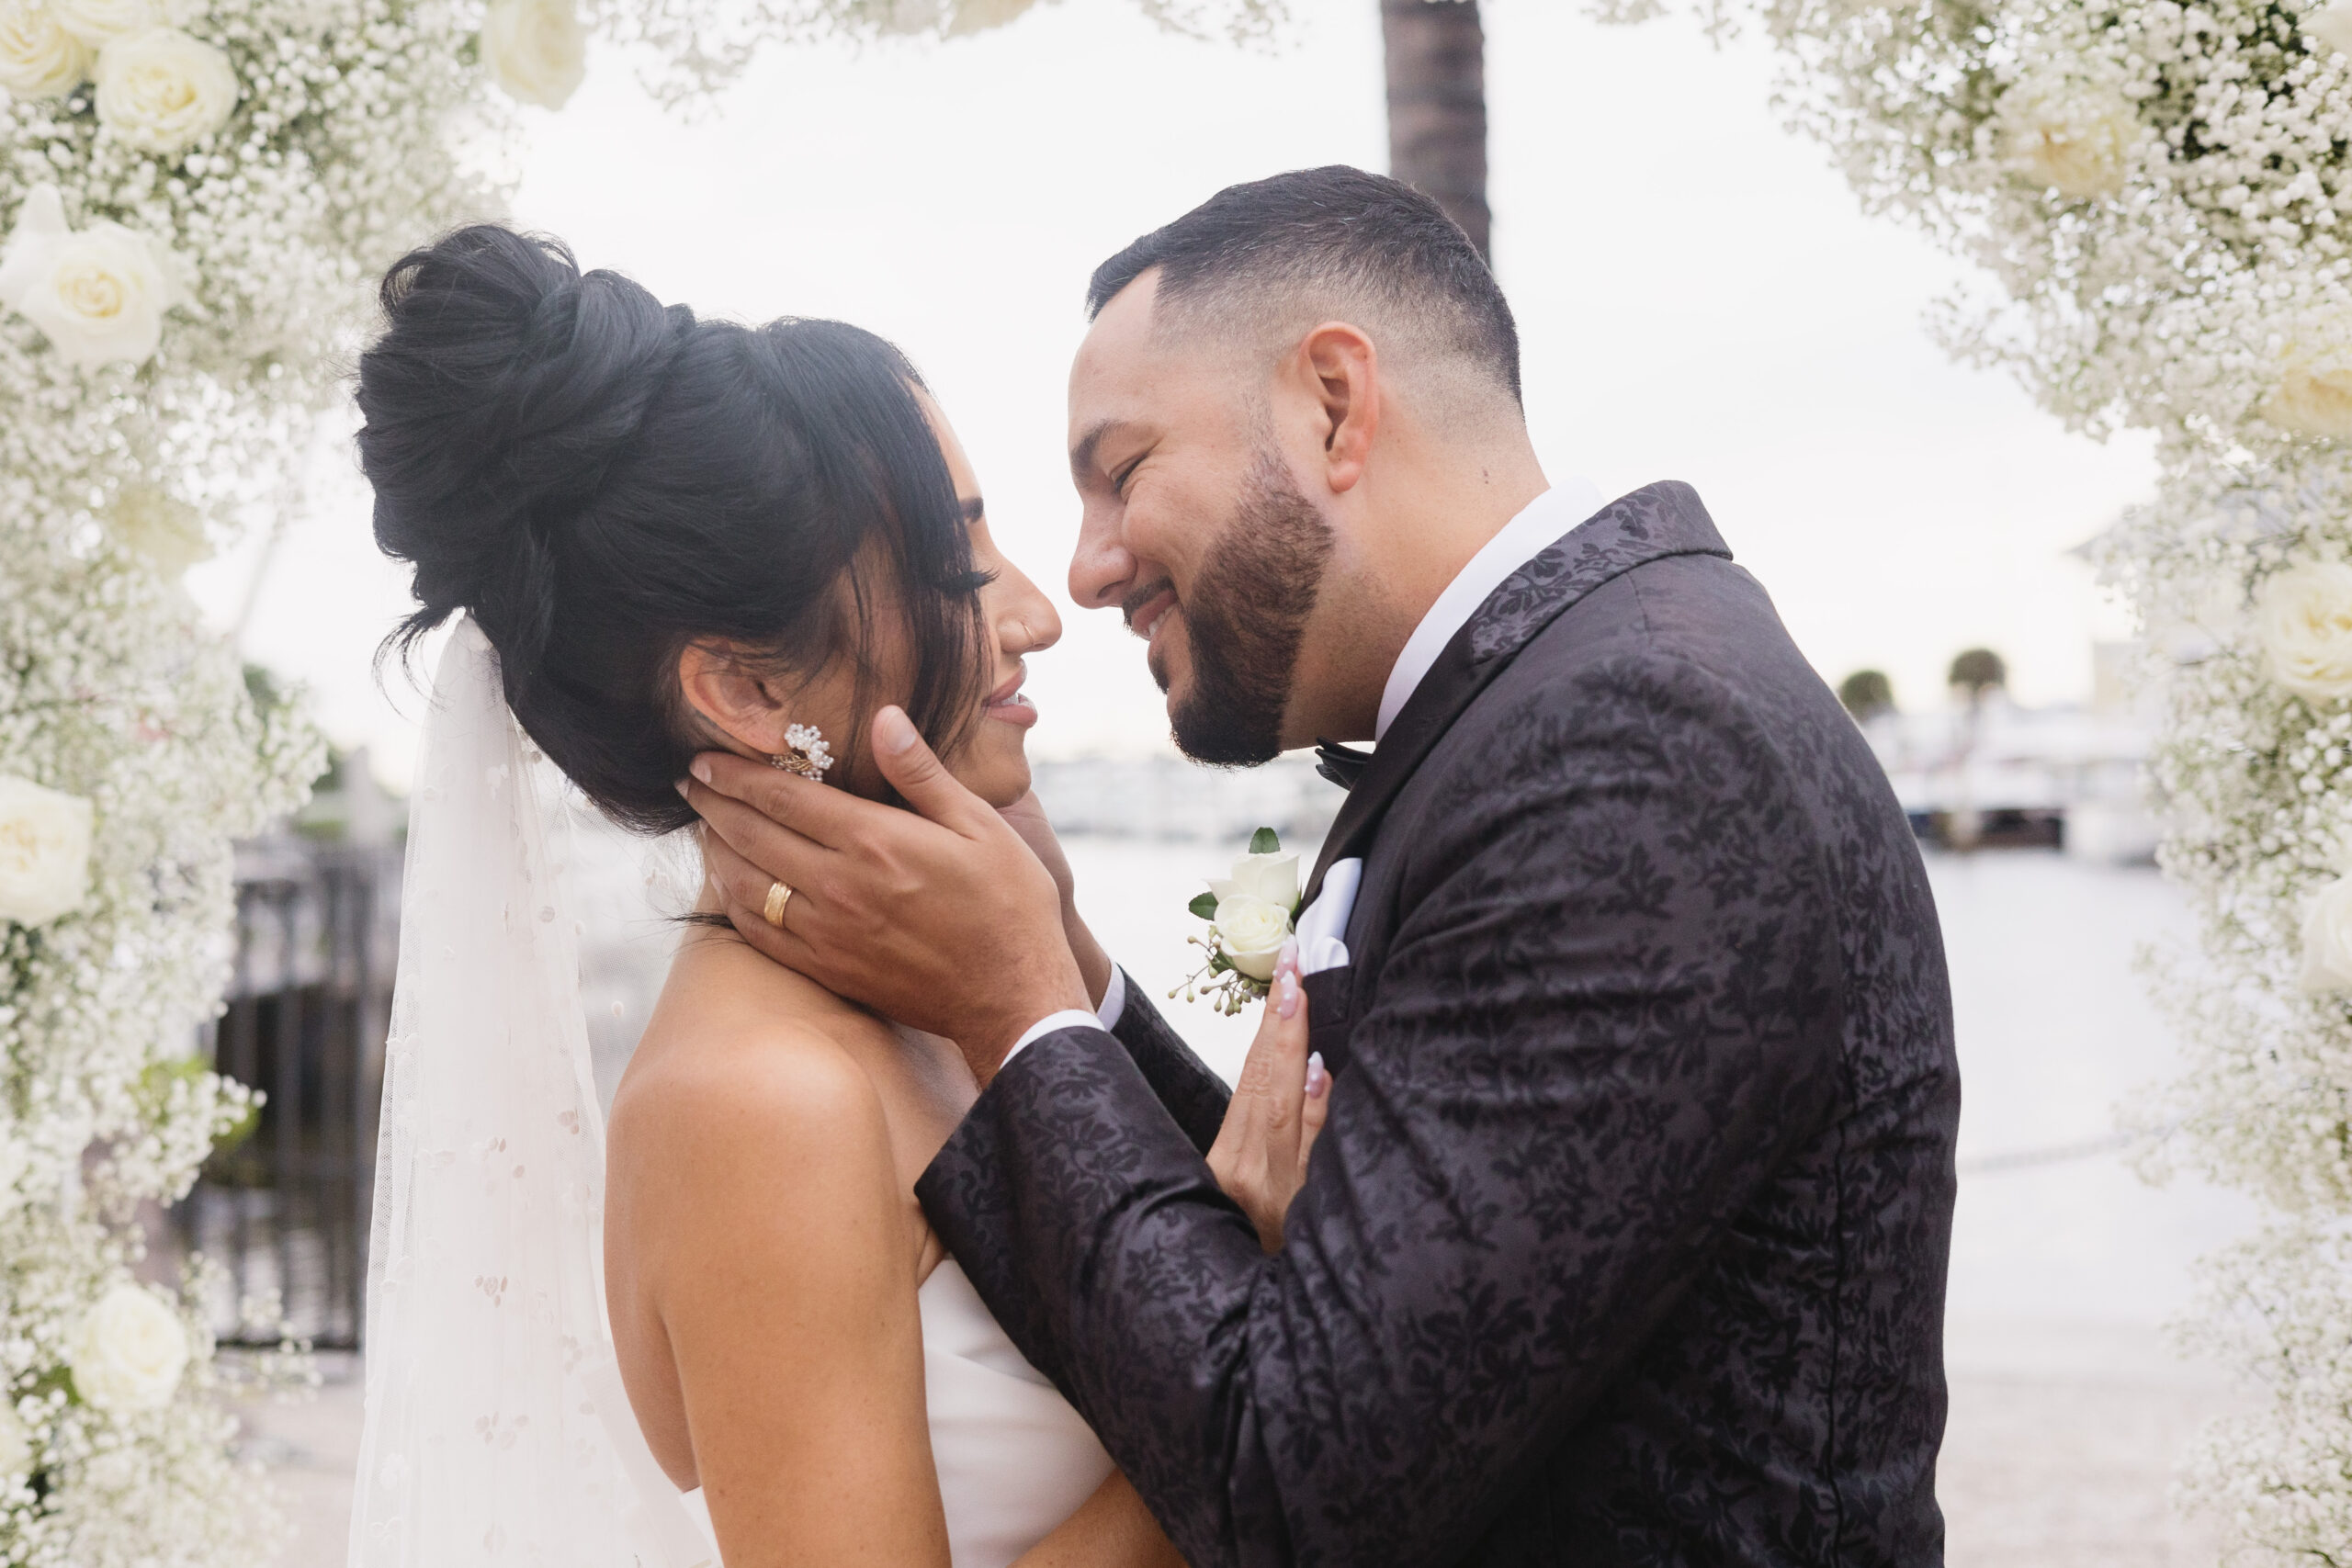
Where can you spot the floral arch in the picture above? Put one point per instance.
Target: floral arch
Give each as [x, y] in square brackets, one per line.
[197, 194]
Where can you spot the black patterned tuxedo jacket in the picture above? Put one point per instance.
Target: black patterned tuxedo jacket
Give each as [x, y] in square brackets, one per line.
[1625, 1241]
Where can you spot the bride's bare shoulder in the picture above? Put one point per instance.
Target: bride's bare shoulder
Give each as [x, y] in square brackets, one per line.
[741, 1050]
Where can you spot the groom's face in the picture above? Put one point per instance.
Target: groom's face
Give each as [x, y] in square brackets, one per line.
[1194, 528]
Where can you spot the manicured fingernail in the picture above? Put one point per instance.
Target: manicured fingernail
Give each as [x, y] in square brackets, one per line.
[681, 787]
[1287, 959]
[893, 731]
[1318, 1080]
[700, 770]
[1286, 993]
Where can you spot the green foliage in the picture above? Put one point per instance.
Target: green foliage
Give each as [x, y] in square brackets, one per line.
[1203, 904]
[1265, 841]
[1978, 670]
[1866, 693]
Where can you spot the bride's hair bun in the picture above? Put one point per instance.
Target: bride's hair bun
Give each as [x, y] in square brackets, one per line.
[505, 384]
[601, 480]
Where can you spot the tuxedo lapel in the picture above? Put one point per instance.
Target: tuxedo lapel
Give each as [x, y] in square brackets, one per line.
[1652, 523]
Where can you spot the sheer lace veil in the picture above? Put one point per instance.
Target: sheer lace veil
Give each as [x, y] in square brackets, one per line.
[496, 1429]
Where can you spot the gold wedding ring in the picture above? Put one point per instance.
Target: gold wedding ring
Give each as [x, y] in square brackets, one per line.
[779, 896]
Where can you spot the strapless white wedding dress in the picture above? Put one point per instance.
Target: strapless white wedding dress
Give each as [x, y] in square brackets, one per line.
[1015, 1459]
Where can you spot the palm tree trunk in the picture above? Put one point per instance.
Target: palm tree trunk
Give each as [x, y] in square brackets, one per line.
[1437, 105]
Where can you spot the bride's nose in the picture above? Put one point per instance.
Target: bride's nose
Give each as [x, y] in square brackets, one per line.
[1026, 621]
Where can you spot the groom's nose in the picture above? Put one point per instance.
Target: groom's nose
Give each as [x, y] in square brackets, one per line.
[1102, 567]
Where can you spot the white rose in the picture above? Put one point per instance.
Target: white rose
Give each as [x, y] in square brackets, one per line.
[99, 295]
[2331, 24]
[100, 22]
[45, 851]
[1250, 933]
[536, 49]
[1273, 878]
[2327, 939]
[16, 1446]
[129, 1352]
[164, 92]
[160, 527]
[2069, 137]
[2304, 617]
[38, 57]
[2314, 394]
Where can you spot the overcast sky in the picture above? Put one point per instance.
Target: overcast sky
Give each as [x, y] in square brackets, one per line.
[1698, 295]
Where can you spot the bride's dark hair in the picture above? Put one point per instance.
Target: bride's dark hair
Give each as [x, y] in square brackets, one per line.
[602, 481]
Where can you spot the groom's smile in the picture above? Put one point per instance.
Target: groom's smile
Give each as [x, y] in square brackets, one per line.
[1145, 611]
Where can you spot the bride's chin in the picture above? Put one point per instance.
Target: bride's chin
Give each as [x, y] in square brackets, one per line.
[1000, 775]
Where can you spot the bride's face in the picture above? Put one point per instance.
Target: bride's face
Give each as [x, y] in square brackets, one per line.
[992, 760]
[989, 758]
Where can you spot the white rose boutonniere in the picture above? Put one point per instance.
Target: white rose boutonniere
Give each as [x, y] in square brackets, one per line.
[99, 295]
[2303, 618]
[2069, 137]
[164, 92]
[129, 1352]
[45, 851]
[39, 57]
[536, 49]
[16, 1446]
[1249, 915]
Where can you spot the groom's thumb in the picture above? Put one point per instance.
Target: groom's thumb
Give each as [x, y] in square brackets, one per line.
[915, 772]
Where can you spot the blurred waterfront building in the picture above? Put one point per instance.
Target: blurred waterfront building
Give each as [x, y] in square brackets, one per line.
[1992, 773]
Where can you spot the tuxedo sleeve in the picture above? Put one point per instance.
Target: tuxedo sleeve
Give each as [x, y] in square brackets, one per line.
[1594, 1034]
[1179, 1079]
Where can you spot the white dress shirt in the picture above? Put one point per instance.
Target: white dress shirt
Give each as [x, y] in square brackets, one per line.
[1536, 528]
[1322, 924]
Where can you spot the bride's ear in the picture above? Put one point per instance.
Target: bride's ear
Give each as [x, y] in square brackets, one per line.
[733, 698]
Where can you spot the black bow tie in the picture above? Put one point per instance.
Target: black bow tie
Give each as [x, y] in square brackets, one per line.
[1341, 764]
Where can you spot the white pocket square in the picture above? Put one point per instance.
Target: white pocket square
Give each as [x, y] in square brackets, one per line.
[1323, 923]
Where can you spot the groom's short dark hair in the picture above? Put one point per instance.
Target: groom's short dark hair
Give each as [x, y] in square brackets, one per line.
[1319, 237]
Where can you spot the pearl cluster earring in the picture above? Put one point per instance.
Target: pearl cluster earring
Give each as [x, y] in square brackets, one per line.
[804, 752]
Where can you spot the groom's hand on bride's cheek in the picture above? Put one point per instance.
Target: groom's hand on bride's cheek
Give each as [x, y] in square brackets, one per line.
[940, 917]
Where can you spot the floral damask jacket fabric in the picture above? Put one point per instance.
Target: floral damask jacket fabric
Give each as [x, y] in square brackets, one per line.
[1626, 1243]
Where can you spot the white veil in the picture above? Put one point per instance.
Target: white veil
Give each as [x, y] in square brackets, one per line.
[497, 1431]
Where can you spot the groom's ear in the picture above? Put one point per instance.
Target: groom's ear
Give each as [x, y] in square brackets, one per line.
[1346, 370]
[732, 696]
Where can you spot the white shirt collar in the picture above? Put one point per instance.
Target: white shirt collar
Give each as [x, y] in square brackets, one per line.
[1537, 527]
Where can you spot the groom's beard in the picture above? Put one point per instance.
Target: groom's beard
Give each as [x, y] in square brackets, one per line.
[1245, 619]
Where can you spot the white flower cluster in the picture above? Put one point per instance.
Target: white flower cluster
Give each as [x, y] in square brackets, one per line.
[195, 197]
[2158, 192]
[129, 755]
[691, 47]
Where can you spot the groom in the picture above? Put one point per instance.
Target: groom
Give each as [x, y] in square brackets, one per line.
[1624, 1242]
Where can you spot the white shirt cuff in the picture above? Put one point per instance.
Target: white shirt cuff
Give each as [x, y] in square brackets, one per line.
[1114, 999]
[1114, 1002]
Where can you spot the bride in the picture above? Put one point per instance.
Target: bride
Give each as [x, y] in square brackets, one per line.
[658, 535]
